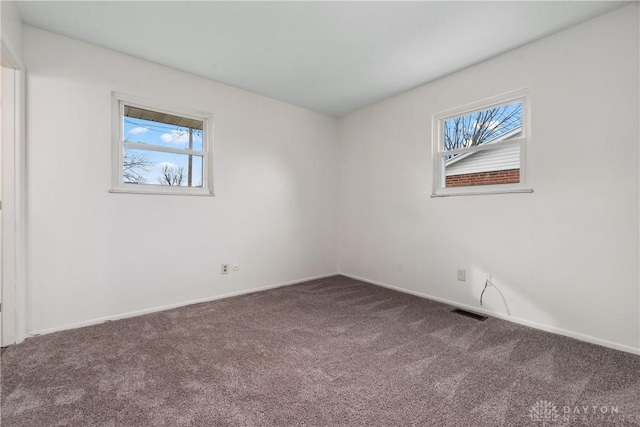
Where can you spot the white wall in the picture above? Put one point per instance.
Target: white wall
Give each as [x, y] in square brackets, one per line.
[565, 257]
[11, 28]
[13, 265]
[93, 254]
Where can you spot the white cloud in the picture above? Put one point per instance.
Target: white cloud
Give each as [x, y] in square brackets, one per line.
[175, 137]
[168, 164]
[138, 130]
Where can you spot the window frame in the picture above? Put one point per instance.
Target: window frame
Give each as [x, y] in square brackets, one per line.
[118, 102]
[438, 152]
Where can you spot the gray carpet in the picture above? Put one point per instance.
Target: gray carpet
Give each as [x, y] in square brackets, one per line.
[330, 352]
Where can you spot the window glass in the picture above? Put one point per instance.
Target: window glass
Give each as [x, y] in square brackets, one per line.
[159, 168]
[160, 151]
[481, 146]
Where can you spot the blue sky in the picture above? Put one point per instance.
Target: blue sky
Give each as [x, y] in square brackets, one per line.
[507, 118]
[163, 135]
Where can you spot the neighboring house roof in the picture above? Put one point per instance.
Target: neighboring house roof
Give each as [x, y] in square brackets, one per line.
[502, 158]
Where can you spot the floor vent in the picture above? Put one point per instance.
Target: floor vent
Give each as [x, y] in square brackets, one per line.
[470, 314]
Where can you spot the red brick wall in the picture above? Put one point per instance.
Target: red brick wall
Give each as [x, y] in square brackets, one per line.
[484, 178]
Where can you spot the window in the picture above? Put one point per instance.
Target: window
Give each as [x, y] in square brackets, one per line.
[160, 150]
[480, 148]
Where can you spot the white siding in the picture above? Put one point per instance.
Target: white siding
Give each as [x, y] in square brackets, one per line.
[498, 159]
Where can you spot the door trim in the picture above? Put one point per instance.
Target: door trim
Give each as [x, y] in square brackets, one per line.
[13, 208]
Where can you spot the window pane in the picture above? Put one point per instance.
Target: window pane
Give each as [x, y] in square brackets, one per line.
[158, 168]
[500, 165]
[483, 127]
[165, 130]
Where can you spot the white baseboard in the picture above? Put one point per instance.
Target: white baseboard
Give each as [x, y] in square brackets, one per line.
[525, 322]
[170, 306]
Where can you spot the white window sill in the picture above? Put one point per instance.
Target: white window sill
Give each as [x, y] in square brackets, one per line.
[469, 192]
[164, 191]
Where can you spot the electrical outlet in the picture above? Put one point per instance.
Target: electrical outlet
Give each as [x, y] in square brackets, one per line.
[462, 275]
[225, 269]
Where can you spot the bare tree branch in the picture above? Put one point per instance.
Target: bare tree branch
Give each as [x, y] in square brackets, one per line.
[134, 167]
[482, 126]
[171, 175]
